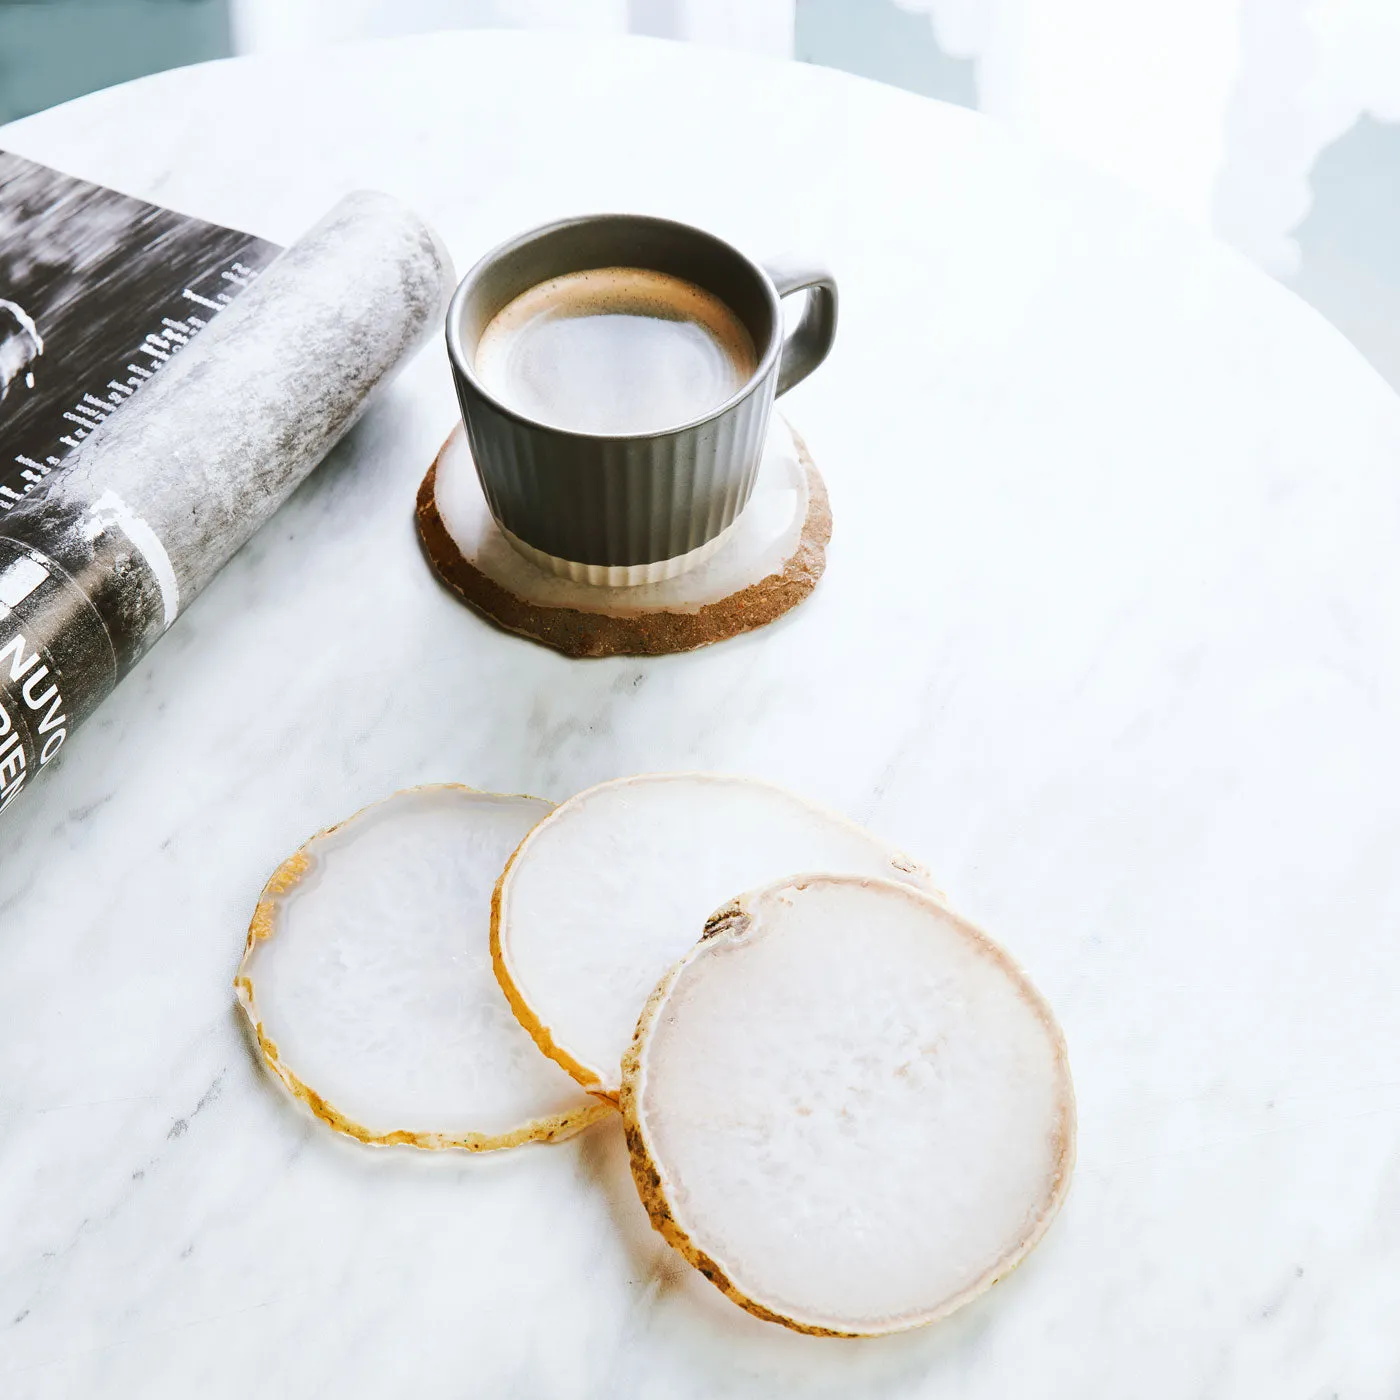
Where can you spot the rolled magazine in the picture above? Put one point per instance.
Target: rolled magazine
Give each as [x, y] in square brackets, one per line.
[164, 386]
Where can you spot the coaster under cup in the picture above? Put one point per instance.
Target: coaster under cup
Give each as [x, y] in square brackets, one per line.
[769, 561]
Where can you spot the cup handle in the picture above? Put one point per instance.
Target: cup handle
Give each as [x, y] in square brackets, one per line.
[809, 343]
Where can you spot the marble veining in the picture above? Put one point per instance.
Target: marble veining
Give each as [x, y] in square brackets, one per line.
[1107, 639]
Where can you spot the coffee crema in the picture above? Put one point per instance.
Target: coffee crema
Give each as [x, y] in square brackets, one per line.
[615, 350]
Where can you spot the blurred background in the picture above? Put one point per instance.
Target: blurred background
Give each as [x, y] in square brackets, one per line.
[1273, 123]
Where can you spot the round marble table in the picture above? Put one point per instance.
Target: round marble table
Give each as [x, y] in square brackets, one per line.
[1109, 638]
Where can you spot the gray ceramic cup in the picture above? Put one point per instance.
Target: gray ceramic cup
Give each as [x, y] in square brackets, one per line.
[631, 508]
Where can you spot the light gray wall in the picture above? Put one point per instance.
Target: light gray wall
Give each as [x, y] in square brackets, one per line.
[877, 39]
[51, 50]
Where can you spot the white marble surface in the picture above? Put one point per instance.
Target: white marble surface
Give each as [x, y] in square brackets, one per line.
[1108, 638]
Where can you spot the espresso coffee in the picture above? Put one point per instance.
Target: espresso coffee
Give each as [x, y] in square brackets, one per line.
[615, 350]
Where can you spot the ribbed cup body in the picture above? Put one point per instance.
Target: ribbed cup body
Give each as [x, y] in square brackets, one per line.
[616, 501]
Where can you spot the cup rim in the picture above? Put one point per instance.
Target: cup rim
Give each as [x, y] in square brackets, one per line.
[464, 365]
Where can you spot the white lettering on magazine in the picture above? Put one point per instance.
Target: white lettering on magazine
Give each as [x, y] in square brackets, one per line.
[44, 701]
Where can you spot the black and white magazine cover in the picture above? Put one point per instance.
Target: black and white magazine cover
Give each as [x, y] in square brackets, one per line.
[98, 292]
